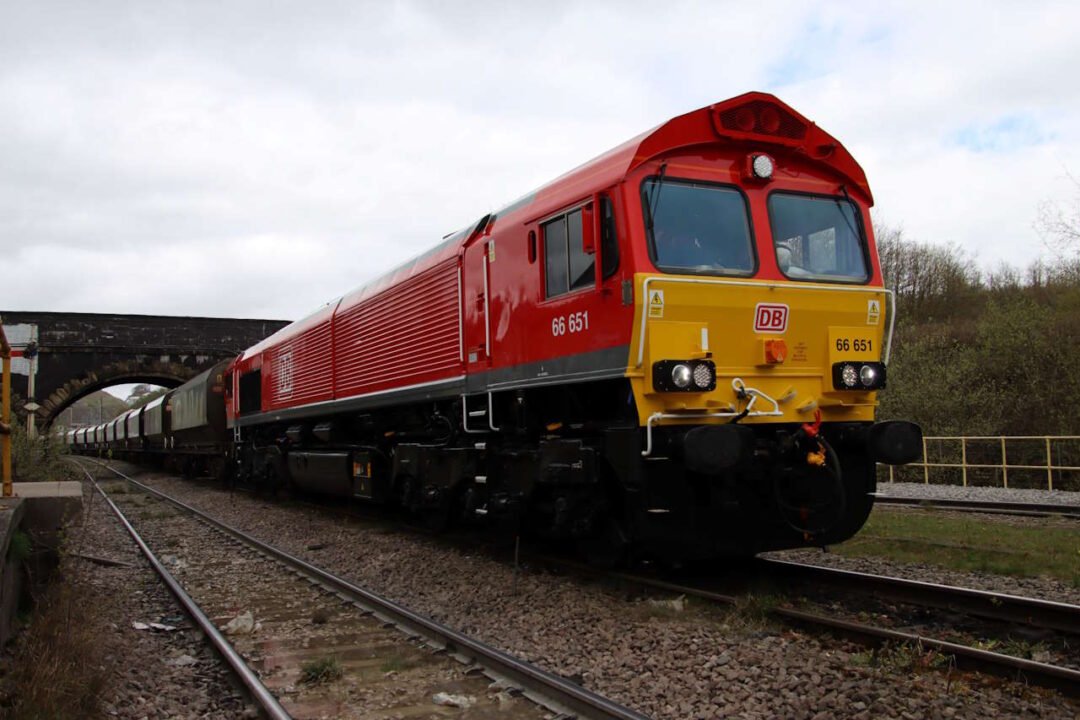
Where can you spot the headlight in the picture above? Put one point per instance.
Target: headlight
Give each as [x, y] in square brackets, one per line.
[858, 375]
[684, 376]
[762, 166]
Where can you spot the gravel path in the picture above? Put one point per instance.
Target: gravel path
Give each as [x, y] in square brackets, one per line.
[154, 674]
[698, 663]
[976, 494]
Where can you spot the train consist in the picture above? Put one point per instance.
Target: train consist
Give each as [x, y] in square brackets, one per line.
[673, 351]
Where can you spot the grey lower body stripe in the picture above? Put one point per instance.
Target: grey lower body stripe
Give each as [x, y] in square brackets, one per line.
[595, 365]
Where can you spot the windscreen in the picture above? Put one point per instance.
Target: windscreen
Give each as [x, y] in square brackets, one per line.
[697, 228]
[817, 238]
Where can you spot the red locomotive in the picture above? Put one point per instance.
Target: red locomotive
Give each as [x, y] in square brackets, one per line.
[673, 349]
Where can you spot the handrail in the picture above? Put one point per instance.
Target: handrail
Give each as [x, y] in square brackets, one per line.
[1002, 448]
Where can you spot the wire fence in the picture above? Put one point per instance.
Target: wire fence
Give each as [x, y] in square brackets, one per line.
[1046, 462]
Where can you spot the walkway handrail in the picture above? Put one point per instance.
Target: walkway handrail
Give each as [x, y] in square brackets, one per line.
[1004, 466]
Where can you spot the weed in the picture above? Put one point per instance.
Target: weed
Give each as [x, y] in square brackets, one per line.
[20, 548]
[39, 459]
[903, 658]
[396, 664]
[321, 616]
[57, 671]
[1014, 647]
[753, 612]
[323, 670]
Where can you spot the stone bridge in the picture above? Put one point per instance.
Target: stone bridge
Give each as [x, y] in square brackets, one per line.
[79, 353]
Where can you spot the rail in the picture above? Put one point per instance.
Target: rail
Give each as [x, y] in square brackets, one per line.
[565, 697]
[999, 443]
[269, 704]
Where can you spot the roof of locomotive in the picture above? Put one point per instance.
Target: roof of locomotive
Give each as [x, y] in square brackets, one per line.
[708, 125]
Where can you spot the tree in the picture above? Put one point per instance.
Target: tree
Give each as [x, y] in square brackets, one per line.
[1059, 225]
[929, 280]
[138, 399]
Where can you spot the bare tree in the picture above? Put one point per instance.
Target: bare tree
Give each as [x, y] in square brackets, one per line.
[927, 278]
[1059, 225]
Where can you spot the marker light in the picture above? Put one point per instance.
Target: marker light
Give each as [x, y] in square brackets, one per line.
[692, 376]
[762, 166]
[862, 376]
[703, 375]
[769, 120]
[680, 375]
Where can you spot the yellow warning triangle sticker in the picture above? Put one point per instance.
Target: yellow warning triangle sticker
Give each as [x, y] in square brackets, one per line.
[657, 299]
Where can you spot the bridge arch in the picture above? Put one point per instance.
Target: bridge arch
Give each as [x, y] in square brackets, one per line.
[78, 353]
[167, 374]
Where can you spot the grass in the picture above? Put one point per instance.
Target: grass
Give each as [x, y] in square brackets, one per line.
[398, 663]
[20, 548]
[323, 670]
[57, 671]
[902, 658]
[1050, 549]
[115, 487]
[40, 459]
[752, 611]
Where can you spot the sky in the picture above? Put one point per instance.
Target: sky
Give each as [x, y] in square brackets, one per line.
[257, 159]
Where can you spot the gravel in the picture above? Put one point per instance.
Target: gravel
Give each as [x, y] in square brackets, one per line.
[166, 674]
[285, 627]
[699, 663]
[976, 493]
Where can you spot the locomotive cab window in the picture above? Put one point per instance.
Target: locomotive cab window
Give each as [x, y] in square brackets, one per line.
[697, 228]
[567, 267]
[818, 238]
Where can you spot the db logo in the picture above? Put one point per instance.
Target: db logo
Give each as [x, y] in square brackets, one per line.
[770, 318]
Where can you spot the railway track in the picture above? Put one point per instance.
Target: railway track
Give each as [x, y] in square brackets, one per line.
[1002, 607]
[1019, 611]
[365, 651]
[1023, 509]
[1044, 615]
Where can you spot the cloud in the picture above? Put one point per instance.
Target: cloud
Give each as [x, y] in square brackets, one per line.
[257, 159]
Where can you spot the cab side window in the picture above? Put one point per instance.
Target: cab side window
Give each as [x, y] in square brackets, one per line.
[567, 267]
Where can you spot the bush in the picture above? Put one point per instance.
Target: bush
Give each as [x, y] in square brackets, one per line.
[40, 459]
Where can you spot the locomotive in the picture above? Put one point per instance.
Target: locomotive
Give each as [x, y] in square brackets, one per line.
[671, 351]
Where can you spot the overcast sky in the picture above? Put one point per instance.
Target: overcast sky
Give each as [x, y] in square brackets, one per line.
[258, 159]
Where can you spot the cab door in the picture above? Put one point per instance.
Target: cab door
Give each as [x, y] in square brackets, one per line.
[476, 311]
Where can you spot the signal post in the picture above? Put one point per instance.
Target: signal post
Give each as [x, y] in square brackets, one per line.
[5, 414]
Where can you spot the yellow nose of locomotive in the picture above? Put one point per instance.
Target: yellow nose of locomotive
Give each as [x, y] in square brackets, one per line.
[712, 350]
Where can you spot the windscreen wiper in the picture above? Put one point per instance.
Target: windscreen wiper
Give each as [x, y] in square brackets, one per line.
[851, 204]
[654, 202]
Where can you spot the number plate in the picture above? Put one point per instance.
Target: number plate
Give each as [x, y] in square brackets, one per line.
[853, 344]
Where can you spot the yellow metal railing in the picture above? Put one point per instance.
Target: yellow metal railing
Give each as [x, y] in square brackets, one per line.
[999, 443]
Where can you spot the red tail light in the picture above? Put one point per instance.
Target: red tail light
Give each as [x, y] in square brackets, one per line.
[759, 118]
